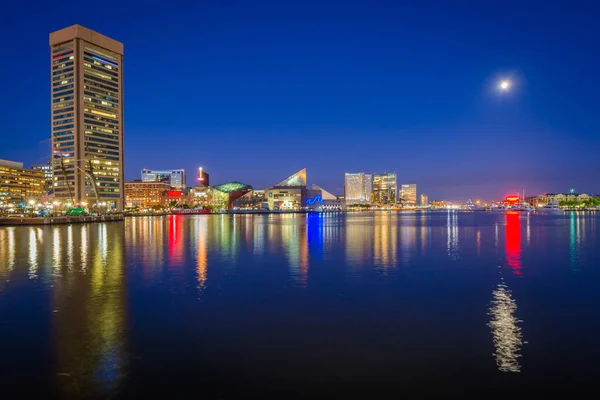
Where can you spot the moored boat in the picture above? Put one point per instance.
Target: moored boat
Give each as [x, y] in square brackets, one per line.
[550, 208]
[190, 211]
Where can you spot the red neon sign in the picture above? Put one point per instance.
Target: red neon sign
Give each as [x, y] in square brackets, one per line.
[512, 199]
[174, 193]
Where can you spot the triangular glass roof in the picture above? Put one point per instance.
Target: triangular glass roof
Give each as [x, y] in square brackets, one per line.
[297, 179]
[325, 195]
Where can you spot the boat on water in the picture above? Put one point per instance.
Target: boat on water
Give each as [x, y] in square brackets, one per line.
[521, 207]
[550, 208]
[498, 208]
[470, 206]
[190, 211]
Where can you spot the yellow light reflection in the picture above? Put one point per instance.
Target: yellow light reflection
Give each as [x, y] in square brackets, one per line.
[33, 253]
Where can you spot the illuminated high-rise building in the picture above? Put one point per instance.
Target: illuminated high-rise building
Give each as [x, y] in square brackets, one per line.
[408, 194]
[424, 199]
[358, 188]
[385, 188]
[203, 177]
[87, 116]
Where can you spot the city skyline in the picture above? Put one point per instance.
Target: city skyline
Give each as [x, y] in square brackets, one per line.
[455, 135]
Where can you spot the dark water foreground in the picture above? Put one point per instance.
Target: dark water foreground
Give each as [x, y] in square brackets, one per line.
[222, 306]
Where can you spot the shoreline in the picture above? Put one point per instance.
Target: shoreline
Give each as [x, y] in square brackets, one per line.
[63, 220]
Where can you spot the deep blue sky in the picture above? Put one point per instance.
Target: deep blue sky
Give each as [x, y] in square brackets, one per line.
[254, 90]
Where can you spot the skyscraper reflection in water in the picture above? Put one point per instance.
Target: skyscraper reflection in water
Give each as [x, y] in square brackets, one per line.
[89, 314]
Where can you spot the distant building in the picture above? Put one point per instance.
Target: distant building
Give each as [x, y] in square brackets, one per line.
[358, 188]
[47, 170]
[174, 178]
[321, 200]
[289, 194]
[423, 199]
[440, 203]
[145, 194]
[203, 178]
[385, 188]
[87, 116]
[408, 194]
[176, 198]
[19, 185]
[546, 198]
[222, 197]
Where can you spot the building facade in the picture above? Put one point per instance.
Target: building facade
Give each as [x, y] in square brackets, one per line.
[424, 199]
[87, 116]
[358, 188]
[544, 199]
[289, 194]
[144, 194]
[173, 177]
[19, 185]
[222, 197]
[47, 170]
[320, 200]
[408, 194]
[385, 188]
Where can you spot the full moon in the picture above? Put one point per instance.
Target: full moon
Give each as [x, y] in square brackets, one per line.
[504, 85]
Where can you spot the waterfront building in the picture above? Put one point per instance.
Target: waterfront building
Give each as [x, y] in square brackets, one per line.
[320, 200]
[358, 188]
[546, 198]
[408, 194]
[19, 185]
[47, 170]
[385, 188]
[289, 194]
[175, 178]
[222, 197]
[423, 199]
[144, 194]
[173, 198]
[440, 204]
[87, 116]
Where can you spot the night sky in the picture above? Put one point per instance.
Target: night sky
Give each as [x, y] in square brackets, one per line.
[255, 90]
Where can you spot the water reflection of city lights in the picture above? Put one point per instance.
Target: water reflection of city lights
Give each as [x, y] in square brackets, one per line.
[513, 242]
[452, 234]
[33, 253]
[508, 338]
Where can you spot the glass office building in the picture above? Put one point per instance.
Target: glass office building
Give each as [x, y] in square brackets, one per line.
[385, 188]
[408, 194]
[87, 116]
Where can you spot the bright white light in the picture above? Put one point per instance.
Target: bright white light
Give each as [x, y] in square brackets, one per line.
[504, 85]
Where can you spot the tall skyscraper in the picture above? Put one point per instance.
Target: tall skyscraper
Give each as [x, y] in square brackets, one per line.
[424, 199]
[385, 188]
[174, 177]
[408, 194]
[87, 116]
[358, 188]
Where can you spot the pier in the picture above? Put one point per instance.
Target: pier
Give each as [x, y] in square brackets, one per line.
[61, 220]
